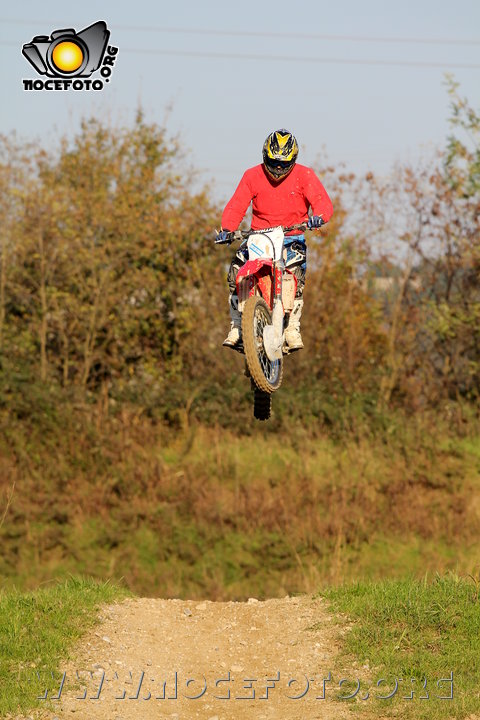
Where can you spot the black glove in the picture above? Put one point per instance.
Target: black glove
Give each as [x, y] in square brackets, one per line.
[224, 237]
[315, 222]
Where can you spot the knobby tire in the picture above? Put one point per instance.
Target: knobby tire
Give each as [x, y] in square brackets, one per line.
[265, 373]
[262, 404]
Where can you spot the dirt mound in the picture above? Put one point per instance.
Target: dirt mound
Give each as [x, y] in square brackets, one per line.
[209, 660]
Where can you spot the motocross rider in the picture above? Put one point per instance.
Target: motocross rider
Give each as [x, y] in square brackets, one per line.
[282, 192]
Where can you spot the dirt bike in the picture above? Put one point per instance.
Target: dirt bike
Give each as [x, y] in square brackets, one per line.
[266, 291]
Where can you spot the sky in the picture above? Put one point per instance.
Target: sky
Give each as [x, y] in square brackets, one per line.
[358, 83]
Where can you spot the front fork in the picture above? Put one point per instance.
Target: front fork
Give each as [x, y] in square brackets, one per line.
[274, 335]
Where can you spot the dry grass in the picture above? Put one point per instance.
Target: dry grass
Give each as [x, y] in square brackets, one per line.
[204, 512]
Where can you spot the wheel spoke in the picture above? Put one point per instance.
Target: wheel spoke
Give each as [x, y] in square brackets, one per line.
[265, 373]
[269, 368]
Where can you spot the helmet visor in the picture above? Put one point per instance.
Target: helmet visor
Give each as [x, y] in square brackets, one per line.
[278, 168]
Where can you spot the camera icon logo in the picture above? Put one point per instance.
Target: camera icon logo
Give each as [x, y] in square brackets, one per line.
[66, 53]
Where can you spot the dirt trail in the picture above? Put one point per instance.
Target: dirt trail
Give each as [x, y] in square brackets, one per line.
[254, 643]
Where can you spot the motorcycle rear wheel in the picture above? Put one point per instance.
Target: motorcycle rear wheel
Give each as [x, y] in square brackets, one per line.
[266, 374]
[262, 404]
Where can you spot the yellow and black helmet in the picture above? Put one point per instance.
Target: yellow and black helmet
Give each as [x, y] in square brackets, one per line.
[280, 151]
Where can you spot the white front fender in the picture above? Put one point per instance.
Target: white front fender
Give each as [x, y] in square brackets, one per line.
[273, 335]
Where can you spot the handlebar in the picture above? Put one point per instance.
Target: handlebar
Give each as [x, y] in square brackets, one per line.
[243, 234]
[246, 233]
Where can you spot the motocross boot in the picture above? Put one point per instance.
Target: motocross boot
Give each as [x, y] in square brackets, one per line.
[293, 338]
[234, 337]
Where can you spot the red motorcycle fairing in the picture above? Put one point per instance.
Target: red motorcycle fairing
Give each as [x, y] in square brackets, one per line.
[259, 274]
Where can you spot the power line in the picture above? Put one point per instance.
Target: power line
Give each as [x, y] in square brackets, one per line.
[290, 58]
[254, 33]
[302, 36]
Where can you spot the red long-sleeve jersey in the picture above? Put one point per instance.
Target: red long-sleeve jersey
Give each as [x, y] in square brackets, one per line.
[277, 203]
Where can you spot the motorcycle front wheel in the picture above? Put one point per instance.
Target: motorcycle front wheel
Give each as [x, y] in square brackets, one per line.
[266, 374]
